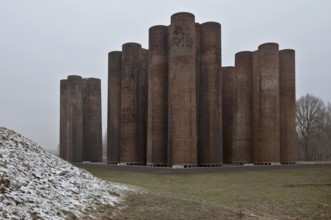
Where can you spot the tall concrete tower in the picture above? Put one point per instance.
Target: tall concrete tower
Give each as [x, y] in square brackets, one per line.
[210, 114]
[267, 149]
[63, 120]
[228, 85]
[75, 118]
[131, 68]
[255, 96]
[157, 97]
[243, 110]
[142, 106]
[287, 106]
[92, 127]
[182, 133]
[197, 69]
[114, 107]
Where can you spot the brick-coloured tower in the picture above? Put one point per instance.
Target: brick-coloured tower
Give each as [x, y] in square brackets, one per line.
[255, 96]
[75, 118]
[157, 97]
[287, 106]
[210, 115]
[92, 127]
[114, 107]
[243, 110]
[131, 68]
[143, 104]
[182, 135]
[267, 149]
[197, 69]
[63, 120]
[228, 85]
[80, 119]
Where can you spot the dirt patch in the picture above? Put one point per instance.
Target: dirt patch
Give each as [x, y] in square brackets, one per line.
[152, 206]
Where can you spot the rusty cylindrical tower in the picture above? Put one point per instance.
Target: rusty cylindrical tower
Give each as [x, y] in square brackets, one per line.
[255, 96]
[157, 97]
[210, 116]
[287, 106]
[267, 150]
[228, 85]
[182, 91]
[92, 146]
[142, 105]
[243, 110]
[63, 120]
[197, 71]
[131, 67]
[114, 107]
[75, 118]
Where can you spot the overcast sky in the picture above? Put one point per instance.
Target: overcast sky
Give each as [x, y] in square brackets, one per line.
[43, 41]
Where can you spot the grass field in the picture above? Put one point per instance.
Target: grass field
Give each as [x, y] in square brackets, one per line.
[274, 194]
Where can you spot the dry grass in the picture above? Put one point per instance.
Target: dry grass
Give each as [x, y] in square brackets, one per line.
[277, 194]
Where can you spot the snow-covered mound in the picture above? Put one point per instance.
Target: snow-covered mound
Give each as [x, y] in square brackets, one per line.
[35, 184]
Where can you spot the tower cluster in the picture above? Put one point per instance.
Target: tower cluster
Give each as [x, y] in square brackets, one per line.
[175, 105]
[259, 107]
[80, 119]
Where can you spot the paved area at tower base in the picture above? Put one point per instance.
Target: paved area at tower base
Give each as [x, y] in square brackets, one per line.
[224, 168]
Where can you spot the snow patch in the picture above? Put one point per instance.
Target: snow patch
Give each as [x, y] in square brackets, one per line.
[37, 184]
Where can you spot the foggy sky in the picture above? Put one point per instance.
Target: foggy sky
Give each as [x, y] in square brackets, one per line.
[43, 41]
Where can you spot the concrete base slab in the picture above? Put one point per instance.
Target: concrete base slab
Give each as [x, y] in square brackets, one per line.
[248, 164]
[178, 166]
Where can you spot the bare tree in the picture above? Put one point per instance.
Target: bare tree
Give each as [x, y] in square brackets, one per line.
[327, 130]
[311, 121]
[328, 119]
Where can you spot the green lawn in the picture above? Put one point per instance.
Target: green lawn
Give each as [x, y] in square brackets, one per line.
[277, 194]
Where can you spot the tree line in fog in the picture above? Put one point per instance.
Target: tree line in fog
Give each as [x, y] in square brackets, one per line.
[313, 125]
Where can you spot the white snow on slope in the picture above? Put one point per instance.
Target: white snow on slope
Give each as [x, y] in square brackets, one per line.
[36, 184]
